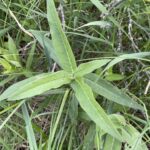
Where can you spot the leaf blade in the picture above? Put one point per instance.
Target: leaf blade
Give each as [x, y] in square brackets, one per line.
[29, 128]
[36, 85]
[126, 56]
[88, 103]
[59, 39]
[89, 67]
[110, 92]
[47, 45]
[102, 24]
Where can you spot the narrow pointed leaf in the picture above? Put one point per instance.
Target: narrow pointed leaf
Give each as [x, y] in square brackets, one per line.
[35, 85]
[112, 93]
[29, 128]
[88, 103]
[5, 64]
[127, 56]
[47, 45]
[12, 49]
[89, 67]
[101, 7]
[4, 31]
[102, 24]
[59, 39]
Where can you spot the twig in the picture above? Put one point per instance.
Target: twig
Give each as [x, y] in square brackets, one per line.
[147, 88]
[61, 9]
[20, 26]
[135, 47]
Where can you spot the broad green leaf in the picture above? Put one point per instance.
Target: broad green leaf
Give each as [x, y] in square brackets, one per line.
[47, 45]
[35, 85]
[89, 67]
[127, 56]
[102, 24]
[59, 39]
[88, 103]
[112, 93]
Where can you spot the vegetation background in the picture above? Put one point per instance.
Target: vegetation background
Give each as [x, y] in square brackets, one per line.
[96, 30]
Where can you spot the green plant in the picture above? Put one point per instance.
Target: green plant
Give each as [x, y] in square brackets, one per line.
[81, 81]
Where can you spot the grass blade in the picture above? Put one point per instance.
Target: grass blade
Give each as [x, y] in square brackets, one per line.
[12, 113]
[52, 134]
[29, 129]
[102, 24]
[30, 57]
[103, 9]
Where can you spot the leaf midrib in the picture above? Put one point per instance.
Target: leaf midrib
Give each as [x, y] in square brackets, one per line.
[61, 32]
[89, 99]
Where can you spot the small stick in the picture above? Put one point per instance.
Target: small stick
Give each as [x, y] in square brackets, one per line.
[20, 26]
[147, 88]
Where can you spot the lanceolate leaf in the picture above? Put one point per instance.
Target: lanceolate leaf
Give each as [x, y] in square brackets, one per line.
[29, 128]
[102, 24]
[101, 7]
[35, 85]
[127, 56]
[47, 45]
[88, 103]
[12, 49]
[112, 93]
[89, 67]
[59, 39]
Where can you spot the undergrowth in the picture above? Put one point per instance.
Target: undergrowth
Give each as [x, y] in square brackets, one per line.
[74, 74]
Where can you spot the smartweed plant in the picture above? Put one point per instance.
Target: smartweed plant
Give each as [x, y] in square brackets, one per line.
[83, 82]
